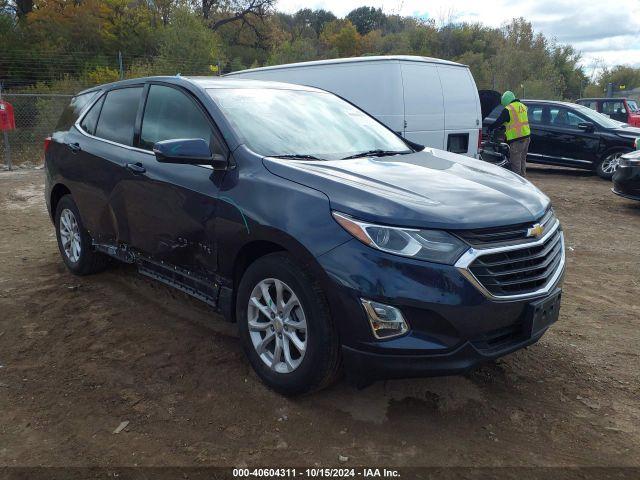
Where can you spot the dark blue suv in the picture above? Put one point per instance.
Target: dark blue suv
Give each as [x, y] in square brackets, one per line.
[330, 240]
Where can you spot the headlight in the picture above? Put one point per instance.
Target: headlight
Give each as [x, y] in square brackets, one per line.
[432, 245]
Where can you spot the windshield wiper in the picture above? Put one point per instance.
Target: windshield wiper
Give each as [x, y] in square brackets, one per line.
[296, 155]
[377, 153]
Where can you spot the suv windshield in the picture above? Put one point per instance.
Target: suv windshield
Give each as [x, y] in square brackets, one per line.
[297, 123]
[597, 117]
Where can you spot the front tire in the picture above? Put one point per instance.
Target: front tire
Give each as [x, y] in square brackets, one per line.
[609, 164]
[285, 326]
[74, 242]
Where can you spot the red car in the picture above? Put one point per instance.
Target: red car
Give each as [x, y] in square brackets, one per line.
[620, 109]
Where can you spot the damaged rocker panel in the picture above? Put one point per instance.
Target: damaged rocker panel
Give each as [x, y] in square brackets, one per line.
[214, 293]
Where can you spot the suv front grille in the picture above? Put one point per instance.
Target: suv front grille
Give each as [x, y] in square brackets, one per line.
[482, 237]
[522, 270]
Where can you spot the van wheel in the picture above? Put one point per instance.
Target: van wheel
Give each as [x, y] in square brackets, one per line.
[74, 241]
[609, 164]
[285, 326]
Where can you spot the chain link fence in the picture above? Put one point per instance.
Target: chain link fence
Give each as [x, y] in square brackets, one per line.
[36, 116]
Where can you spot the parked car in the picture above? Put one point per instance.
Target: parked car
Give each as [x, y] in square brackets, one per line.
[626, 180]
[621, 109]
[572, 135]
[429, 101]
[329, 239]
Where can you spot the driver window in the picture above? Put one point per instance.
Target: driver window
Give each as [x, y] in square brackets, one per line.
[170, 114]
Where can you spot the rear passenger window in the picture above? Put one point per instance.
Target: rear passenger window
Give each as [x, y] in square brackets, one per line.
[90, 120]
[535, 114]
[170, 114]
[72, 112]
[118, 115]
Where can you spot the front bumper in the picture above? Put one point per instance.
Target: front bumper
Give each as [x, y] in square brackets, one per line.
[453, 325]
[367, 366]
[626, 182]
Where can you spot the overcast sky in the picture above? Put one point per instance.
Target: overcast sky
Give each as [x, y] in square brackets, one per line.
[607, 30]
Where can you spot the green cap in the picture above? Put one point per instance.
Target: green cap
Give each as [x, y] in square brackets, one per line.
[507, 98]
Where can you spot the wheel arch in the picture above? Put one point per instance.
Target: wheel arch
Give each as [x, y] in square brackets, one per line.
[58, 191]
[258, 248]
[614, 149]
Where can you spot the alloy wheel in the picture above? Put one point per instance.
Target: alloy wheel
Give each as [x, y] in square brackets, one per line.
[610, 163]
[277, 325]
[70, 235]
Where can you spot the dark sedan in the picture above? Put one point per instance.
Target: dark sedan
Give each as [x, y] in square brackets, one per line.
[571, 135]
[626, 180]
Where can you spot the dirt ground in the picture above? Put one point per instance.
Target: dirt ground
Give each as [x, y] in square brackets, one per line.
[78, 356]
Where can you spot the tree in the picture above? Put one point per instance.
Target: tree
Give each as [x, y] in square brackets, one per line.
[300, 50]
[341, 38]
[23, 8]
[620, 75]
[187, 45]
[312, 20]
[229, 11]
[366, 19]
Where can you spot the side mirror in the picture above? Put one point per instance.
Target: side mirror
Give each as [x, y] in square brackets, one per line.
[188, 151]
[586, 126]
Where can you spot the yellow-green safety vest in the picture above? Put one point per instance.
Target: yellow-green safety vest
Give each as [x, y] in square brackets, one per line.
[518, 124]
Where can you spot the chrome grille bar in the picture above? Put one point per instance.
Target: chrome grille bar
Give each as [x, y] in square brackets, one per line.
[517, 271]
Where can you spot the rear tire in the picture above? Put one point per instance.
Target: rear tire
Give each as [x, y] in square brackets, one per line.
[289, 338]
[74, 242]
[609, 164]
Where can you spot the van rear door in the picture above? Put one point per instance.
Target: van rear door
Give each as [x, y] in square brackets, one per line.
[462, 110]
[423, 104]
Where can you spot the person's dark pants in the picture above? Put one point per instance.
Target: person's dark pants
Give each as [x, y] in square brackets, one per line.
[518, 155]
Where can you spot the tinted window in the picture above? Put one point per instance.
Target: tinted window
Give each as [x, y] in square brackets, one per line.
[118, 115]
[170, 114]
[612, 108]
[72, 112]
[592, 104]
[563, 117]
[535, 114]
[90, 120]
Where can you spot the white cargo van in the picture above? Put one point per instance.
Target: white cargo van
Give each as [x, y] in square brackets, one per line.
[429, 101]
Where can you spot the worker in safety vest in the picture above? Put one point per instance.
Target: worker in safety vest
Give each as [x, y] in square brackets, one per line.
[516, 123]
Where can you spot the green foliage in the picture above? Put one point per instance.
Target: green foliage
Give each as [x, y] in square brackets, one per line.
[620, 75]
[366, 19]
[300, 50]
[187, 45]
[341, 38]
[100, 75]
[70, 44]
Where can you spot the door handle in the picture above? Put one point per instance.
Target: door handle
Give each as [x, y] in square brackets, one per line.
[136, 167]
[74, 147]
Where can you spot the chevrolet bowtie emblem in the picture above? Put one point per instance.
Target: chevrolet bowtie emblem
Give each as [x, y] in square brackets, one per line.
[536, 231]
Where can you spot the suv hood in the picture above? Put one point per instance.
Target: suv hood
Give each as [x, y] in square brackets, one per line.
[427, 189]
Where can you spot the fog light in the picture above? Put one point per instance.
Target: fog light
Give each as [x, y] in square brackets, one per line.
[386, 321]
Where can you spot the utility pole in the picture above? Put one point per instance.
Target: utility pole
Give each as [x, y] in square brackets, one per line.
[120, 67]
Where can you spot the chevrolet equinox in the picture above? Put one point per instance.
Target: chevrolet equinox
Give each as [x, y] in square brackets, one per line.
[331, 241]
